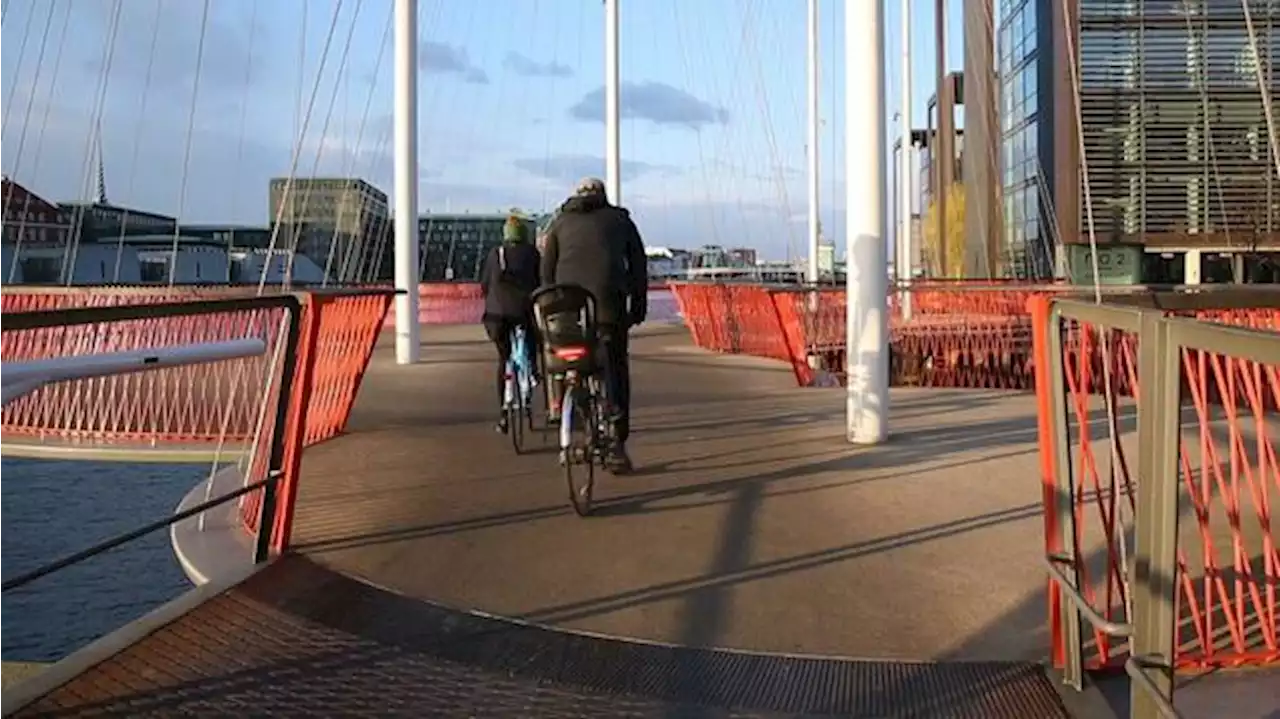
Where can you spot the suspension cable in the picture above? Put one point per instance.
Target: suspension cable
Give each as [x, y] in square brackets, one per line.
[138, 132]
[71, 255]
[26, 123]
[352, 158]
[307, 197]
[1108, 389]
[244, 120]
[191, 128]
[286, 191]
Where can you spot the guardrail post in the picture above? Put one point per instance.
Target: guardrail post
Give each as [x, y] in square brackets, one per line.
[266, 518]
[294, 428]
[1064, 517]
[1154, 584]
[1043, 366]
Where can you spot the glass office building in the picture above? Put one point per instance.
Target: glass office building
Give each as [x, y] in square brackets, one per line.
[454, 245]
[1175, 137]
[1021, 65]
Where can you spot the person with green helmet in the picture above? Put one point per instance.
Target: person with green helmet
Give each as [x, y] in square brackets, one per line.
[508, 276]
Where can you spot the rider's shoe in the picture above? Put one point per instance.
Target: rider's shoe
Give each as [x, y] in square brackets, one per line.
[617, 460]
[501, 425]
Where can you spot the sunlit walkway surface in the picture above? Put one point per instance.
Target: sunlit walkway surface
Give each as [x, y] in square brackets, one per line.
[750, 522]
[750, 525]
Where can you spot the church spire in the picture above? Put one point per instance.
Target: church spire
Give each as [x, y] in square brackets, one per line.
[101, 197]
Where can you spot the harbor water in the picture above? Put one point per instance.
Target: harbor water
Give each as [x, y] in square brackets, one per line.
[49, 509]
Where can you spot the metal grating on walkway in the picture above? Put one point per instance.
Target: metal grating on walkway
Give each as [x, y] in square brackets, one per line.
[299, 640]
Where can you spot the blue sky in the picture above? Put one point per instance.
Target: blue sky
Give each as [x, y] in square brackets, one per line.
[510, 105]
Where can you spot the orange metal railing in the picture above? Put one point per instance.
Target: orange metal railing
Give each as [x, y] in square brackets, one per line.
[975, 336]
[985, 336]
[454, 303]
[336, 340]
[994, 336]
[199, 404]
[1227, 612]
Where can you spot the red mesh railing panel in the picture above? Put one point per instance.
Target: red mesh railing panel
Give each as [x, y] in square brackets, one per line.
[1228, 563]
[198, 404]
[462, 303]
[336, 339]
[195, 404]
[985, 337]
[974, 337]
[186, 405]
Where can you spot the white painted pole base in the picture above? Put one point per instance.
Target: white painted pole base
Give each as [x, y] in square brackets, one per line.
[408, 342]
[867, 280]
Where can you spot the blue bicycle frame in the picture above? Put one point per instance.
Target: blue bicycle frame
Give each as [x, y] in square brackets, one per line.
[519, 373]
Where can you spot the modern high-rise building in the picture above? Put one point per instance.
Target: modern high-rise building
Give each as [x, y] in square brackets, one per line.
[332, 219]
[1181, 180]
[454, 245]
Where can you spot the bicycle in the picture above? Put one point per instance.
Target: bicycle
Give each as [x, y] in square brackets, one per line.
[566, 317]
[517, 394]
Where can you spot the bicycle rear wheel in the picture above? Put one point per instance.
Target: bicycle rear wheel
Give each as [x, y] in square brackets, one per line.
[577, 450]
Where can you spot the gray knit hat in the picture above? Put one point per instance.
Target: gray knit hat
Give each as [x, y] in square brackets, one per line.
[590, 186]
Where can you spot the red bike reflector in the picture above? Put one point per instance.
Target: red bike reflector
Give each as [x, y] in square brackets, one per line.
[571, 354]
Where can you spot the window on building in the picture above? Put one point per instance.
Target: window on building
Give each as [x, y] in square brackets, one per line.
[153, 270]
[41, 270]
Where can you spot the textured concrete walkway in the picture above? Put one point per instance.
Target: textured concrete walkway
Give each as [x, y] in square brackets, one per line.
[750, 523]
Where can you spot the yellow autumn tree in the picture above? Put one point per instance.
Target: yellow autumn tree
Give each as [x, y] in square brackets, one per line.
[952, 246]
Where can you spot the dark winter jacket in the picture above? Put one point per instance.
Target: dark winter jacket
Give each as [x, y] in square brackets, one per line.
[596, 245]
[507, 278]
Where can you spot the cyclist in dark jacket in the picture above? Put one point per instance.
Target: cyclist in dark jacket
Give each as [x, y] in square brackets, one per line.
[508, 276]
[596, 245]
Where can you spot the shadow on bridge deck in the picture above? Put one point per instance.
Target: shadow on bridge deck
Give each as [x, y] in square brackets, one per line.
[750, 525]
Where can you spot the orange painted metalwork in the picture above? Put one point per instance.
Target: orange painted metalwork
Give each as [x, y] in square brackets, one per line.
[336, 340]
[461, 303]
[1039, 308]
[199, 404]
[969, 337]
[1227, 609]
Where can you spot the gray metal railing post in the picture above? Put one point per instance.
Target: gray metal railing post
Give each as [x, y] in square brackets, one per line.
[1154, 584]
[1069, 614]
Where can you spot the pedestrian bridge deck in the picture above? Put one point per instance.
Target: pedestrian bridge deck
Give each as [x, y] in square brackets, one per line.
[750, 525]
[747, 507]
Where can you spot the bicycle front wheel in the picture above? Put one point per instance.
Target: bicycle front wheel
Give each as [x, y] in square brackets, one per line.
[577, 449]
[516, 422]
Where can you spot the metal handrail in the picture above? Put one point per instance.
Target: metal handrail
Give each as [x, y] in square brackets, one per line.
[1104, 625]
[22, 378]
[292, 305]
[43, 319]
